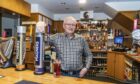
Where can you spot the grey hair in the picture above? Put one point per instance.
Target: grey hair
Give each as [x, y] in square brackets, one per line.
[69, 18]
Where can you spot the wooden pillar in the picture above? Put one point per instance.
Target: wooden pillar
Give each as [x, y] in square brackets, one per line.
[0, 24]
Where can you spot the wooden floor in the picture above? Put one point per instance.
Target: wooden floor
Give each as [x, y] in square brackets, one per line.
[11, 76]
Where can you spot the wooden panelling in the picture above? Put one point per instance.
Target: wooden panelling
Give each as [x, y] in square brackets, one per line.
[128, 42]
[124, 21]
[29, 57]
[119, 66]
[44, 16]
[129, 14]
[132, 15]
[111, 64]
[29, 60]
[33, 17]
[0, 24]
[59, 26]
[18, 6]
[116, 65]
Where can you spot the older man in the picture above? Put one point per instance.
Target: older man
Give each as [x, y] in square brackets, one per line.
[71, 48]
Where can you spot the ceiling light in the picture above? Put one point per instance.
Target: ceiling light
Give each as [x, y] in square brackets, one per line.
[82, 1]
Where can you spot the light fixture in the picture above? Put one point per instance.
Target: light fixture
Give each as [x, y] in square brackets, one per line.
[82, 1]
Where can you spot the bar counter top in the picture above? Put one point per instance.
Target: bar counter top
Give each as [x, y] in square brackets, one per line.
[11, 77]
[133, 57]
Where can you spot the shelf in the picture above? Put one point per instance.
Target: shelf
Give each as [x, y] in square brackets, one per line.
[96, 36]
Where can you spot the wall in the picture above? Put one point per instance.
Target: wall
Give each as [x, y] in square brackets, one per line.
[36, 8]
[10, 23]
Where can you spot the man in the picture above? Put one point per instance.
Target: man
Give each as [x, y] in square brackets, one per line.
[71, 48]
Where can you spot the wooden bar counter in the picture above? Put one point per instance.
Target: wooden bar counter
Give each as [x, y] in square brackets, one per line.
[135, 58]
[118, 63]
[11, 77]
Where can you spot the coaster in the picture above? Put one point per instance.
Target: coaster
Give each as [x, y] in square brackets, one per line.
[26, 82]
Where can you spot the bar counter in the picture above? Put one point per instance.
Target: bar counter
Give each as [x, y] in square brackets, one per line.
[135, 58]
[11, 77]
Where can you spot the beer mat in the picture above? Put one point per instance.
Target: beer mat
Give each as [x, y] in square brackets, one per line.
[26, 82]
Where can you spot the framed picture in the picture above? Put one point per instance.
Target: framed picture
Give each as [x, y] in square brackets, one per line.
[86, 15]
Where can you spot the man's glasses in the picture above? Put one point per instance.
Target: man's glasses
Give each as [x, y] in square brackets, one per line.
[68, 24]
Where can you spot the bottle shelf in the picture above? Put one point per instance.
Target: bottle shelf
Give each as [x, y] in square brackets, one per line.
[99, 63]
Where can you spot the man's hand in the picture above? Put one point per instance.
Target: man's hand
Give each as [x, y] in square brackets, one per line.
[12, 37]
[57, 61]
[83, 72]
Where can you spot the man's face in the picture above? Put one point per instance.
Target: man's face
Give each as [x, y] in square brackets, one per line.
[69, 26]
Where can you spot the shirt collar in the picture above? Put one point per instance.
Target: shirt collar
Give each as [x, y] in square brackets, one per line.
[73, 37]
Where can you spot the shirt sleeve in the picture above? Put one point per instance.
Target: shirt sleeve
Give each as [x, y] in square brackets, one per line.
[87, 53]
[51, 42]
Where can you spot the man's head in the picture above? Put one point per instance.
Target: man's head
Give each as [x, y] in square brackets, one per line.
[69, 24]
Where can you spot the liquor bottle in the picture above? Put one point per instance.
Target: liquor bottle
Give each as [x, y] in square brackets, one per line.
[57, 69]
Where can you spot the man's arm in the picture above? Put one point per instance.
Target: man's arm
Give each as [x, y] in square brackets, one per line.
[52, 44]
[5, 39]
[87, 53]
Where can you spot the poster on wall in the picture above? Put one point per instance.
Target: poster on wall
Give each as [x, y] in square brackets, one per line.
[86, 15]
